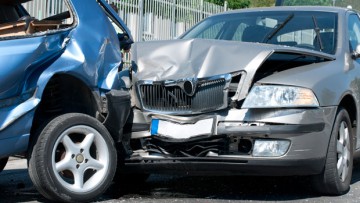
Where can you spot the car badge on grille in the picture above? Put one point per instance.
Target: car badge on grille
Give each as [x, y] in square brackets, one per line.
[189, 87]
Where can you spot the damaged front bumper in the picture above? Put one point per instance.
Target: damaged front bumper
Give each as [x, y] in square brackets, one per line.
[295, 142]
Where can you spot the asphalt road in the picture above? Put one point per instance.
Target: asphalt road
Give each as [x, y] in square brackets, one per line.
[15, 186]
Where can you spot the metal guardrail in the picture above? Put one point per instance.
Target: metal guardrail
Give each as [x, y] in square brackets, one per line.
[147, 19]
[42, 9]
[163, 19]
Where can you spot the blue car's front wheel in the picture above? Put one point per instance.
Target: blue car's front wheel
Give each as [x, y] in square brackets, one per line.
[73, 160]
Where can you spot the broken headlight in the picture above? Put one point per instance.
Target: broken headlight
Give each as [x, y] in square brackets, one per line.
[276, 96]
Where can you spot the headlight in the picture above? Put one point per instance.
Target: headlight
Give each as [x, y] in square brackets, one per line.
[275, 96]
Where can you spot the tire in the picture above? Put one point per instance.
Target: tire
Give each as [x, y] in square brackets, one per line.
[73, 160]
[3, 163]
[336, 176]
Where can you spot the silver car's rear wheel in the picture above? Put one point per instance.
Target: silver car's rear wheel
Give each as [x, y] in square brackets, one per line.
[73, 160]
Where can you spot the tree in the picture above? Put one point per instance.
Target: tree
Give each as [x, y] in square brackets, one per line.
[233, 4]
[344, 3]
[307, 2]
[262, 3]
[236, 4]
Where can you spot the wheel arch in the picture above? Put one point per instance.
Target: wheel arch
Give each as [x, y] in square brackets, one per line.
[349, 104]
[62, 94]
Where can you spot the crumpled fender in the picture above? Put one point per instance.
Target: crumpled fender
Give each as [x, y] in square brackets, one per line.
[24, 58]
[87, 52]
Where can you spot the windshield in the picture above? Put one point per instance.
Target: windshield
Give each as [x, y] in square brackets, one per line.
[311, 30]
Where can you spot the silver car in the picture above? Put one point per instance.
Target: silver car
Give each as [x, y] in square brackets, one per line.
[268, 91]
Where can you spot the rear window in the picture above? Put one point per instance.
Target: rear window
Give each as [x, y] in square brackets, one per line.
[34, 18]
[8, 13]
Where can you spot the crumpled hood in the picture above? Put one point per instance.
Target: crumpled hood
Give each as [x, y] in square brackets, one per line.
[199, 58]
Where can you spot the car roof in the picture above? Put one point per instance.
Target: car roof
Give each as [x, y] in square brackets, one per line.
[290, 8]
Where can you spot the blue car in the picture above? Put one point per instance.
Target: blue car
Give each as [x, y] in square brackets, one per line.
[61, 100]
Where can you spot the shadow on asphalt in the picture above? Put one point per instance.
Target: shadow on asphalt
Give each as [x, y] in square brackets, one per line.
[16, 186]
[221, 188]
[224, 188]
[356, 171]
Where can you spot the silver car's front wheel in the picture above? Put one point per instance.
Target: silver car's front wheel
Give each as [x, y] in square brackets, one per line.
[336, 176]
[343, 151]
[73, 160]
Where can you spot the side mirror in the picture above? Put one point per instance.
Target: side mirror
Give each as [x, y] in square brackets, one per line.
[125, 41]
[356, 52]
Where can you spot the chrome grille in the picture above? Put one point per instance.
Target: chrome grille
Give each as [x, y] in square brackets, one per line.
[209, 96]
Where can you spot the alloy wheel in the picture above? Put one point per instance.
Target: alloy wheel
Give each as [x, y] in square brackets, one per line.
[80, 158]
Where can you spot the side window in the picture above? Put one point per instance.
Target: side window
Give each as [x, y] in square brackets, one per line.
[24, 20]
[124, 38]
[117, 28]
[354, 31]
